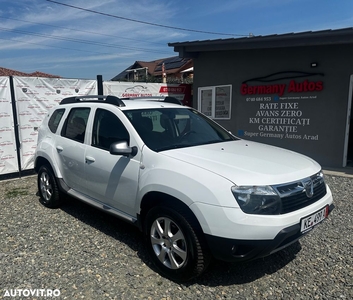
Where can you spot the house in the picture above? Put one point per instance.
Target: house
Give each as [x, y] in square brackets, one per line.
[290, 90]
[176, 69]
[9, 72]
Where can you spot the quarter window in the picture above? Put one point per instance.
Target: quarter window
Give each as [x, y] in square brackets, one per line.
[55, 120]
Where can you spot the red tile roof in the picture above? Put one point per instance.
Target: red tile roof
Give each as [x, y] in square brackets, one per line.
[9, 72]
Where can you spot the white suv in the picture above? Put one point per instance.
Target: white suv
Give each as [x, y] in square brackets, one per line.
[194, 189]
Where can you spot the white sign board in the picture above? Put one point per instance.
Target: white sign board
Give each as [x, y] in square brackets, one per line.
[140, 89]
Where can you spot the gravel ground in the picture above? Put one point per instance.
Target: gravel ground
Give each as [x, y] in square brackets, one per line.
[85, 253]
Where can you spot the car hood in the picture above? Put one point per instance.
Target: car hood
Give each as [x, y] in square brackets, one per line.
[247, 163]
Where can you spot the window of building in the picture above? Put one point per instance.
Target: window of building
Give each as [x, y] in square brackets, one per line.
[215, 101]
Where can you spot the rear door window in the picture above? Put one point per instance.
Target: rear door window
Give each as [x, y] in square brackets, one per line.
[75, 124]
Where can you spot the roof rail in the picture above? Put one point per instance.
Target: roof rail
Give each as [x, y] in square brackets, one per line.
[166, 99]
[174, 100]
[94, 98]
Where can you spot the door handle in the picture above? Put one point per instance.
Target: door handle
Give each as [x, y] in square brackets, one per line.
[90, 159]
[59, 149]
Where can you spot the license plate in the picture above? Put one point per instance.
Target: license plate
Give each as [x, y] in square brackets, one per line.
[309, 222]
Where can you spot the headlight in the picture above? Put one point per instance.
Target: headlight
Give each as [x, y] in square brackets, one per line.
[260, 200]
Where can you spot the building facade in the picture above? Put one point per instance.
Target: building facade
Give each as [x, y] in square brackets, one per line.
[290, 90]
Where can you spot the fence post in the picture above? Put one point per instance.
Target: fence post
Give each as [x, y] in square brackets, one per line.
[15, 122]
[100, 84]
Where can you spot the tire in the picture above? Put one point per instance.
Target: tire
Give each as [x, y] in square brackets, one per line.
[48, 188]
[175, 243]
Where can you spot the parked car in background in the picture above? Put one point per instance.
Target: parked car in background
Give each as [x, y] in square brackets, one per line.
[194, 189]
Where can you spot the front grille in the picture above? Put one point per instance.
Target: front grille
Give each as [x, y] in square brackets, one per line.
[296, 195]
[300, 200]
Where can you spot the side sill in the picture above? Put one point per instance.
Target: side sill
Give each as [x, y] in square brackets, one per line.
[106, 208]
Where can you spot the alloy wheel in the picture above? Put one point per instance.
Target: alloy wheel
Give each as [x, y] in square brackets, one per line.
[45, 186]
[168, 242]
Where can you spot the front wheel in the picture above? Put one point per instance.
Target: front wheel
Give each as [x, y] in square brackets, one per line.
[175, 243]
[48, 188]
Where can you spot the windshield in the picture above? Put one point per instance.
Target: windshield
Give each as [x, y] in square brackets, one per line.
[170, 128]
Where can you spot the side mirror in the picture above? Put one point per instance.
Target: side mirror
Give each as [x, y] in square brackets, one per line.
[122, 148]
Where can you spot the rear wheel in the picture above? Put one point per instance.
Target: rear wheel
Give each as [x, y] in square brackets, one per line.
[175, 243]
[48, 188]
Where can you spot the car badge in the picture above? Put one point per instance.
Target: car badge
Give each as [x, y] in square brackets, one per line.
[309, 188]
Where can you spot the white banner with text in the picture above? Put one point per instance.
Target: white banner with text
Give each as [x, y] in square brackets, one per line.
[35, 96]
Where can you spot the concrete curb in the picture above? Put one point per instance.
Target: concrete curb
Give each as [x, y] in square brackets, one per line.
[343, 172]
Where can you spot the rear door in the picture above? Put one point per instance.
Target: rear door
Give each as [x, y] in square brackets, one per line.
[71, 148]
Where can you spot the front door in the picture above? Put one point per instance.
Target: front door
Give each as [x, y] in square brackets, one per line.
[111, 179]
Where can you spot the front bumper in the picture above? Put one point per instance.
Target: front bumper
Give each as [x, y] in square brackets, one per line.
[243, 250]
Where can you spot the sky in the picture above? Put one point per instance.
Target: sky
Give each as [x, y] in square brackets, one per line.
[85, 38]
